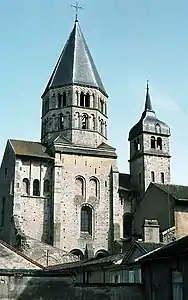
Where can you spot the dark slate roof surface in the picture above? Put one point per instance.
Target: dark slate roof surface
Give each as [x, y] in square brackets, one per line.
[90, 262]
[179, 192]
[172, 249]
[75, 64]
[29, 148]
[149, 246]
[124, 181]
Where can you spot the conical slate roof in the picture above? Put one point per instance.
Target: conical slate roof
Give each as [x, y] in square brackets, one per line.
[75, 64]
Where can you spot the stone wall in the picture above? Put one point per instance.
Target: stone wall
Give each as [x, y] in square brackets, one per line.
[26, 287]
[72, 113]
[181, 220]
[69, 199]
[33, 212]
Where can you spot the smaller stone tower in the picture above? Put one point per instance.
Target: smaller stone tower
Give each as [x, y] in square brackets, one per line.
[149, 150]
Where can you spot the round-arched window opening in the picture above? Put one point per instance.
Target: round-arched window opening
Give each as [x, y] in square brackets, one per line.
[78, 253]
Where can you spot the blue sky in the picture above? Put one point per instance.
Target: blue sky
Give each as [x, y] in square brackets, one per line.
[131, 41]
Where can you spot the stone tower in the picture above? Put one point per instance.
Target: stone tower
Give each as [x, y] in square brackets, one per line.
[75, 100]
[149, 150]
[74, 129]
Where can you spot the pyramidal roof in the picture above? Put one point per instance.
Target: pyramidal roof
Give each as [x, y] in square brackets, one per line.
[75, 64]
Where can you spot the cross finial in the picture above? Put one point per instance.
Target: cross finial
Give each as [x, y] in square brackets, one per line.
[77, 7]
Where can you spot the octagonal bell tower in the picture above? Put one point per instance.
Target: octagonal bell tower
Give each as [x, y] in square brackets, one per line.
[75, 101]
[149, 149]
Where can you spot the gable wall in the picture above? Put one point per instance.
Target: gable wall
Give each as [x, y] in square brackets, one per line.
[33, 213]
[155, 205]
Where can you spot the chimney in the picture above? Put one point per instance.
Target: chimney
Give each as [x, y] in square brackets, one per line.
[151, 231]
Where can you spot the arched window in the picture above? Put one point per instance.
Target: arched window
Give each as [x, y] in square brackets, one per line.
[102, 106]
[76, 119]
[80, 186]
[159, 143]
[105, 129]
[162, 177]
[101, 127]
[61, 121]
[84, 121]
[59, 101]
[152, 176]
[77, 98]
[25, 186]
[101, 253]
[94, 187]
[105, 107]
[157, 128]
[36, 188]
[92, 122]
[87, 100]
[82, 99]
[46, 186]
[68, 120]
[127, 224]
[86, 219]
[78, 253]
[153, 142]
[64, 99]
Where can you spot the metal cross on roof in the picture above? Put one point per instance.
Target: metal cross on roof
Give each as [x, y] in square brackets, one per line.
[77, 7]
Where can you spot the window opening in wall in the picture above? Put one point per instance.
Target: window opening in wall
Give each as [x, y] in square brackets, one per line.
[84, 121]
[79, 186]
[61, 121]
[87, 100]
[25, 186]
[162, 177]
[127, 224]
[58, 100]
[3, 212]
[157, 128]
[64, 99]
[78, 253]
[94, 187]
[105, 111]
[117, 278]
[159, 143]
[46, 186]
[102, 106]
[82, 99]
[101, 126]
[152, 176]
[77, 119]
[92, 122]
[177, 285]
[36, 188]
[153, 142]
[86, 219]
